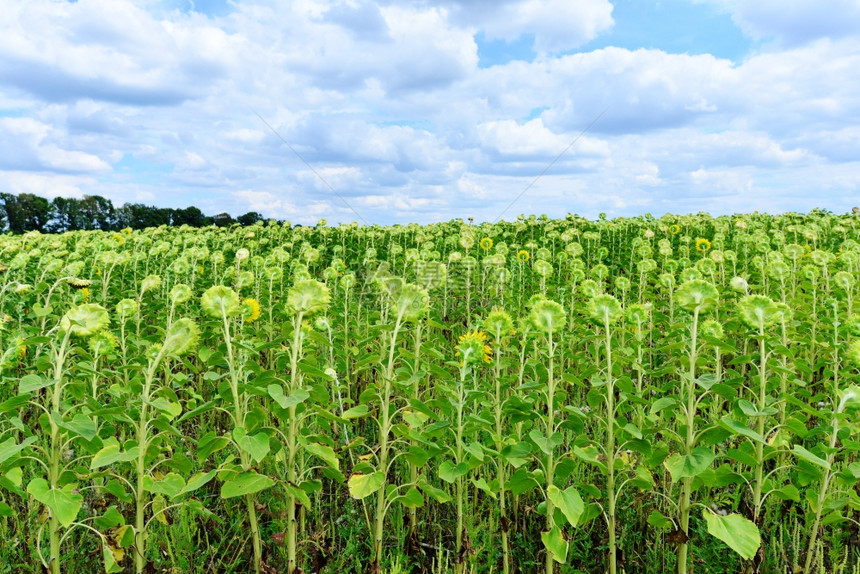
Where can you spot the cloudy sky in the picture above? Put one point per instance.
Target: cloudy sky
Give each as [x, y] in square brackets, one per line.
[398, 111]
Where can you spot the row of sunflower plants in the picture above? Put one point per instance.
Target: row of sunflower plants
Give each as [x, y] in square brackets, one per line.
[451, 395]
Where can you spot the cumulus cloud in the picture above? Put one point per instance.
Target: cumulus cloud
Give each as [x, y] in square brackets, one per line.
[151, 101]
[557, 25]
[798, 21]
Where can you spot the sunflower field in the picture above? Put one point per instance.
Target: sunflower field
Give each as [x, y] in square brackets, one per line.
[621, 395]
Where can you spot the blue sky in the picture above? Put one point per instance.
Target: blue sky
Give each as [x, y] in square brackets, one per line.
[426, 111]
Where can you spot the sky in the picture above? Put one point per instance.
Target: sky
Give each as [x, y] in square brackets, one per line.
[388, 111]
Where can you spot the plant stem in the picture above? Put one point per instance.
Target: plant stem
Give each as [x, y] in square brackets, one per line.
[610, 450]
[690, 387]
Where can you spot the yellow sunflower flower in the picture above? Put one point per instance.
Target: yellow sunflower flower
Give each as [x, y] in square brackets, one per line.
[486, 244]
[473, 347]
[522, 255]
[703, 245]
[250, 310]
[675, 229]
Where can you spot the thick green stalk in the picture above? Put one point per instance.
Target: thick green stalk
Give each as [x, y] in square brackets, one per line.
[416, 392]
[550, 463]
[759, 447]
[500, 470]
[56, 447]
[461, 397]
[610, 451]
[689, 387]
[239, 421]
[384, 430]
[828, 473]
[140, 494]
[821, 499]
[292, 446]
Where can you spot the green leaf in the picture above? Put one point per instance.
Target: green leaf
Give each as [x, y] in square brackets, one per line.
[39, 311]
[209, 443]
[326, 453]
[169, 408]
[111, 453]
[110, 557]
[196, 481]
[170, 486]
[808, 456]
[14, 403]
[663, 403]
[516, 454]
[568, 501]
[450, 473]
[643, 479]
[80, 425]
[547, 445]
[117, 489]
[299, 495]
[10, 448]
[738, 532]
[285, 402]
[590, 454]
[740, 428]
[436, 494]
[256, 445]
[750, 409]
[481, 484]
[355, 412]
[110, 519]
[556, 544]
[64, 504]
[363, 485]
[658, 520]
[707, 381]
[245, 483]
[788, 492]
[412, 499]
[688, 466]
[6, 510]
[31, 383]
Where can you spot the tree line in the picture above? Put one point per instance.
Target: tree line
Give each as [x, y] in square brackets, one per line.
[28, 212]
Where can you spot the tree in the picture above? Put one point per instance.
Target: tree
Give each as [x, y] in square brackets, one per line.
[67, 214]
[140, 216]
[249, 218]
[97, 212]
[223, 220]
[190, 216]
[26, 212]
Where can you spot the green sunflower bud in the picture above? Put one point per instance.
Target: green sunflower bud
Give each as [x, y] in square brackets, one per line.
[696, 295]
[411, 302]
[758, 312]
[498, 323]
[220, 301]
[605, 309]
[181, 338]
[150, 283]
[180, 293]
[126, 309]
[308, 296]
[548, 316]
[85, 320]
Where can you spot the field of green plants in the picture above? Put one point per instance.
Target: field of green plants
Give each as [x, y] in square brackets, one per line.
[627, 395]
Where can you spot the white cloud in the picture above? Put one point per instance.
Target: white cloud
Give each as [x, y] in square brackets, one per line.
[43, 185]
[557, 25]
[798, 20]
[508, 137]
[386, 101]
[28, 144]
